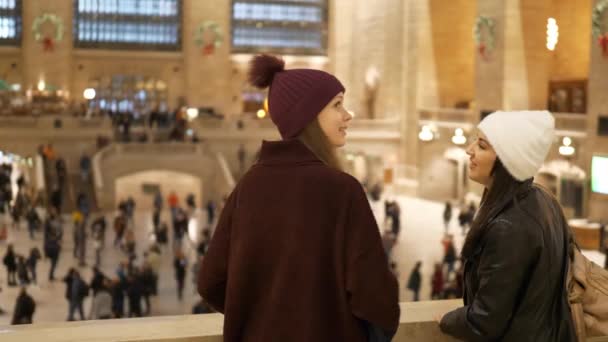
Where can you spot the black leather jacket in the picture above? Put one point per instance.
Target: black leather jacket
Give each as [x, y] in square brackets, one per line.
[514, 279]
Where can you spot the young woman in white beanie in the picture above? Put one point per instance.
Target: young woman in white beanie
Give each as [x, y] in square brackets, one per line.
[515, 253]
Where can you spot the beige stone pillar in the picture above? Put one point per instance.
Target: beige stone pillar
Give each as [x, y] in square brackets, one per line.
[515, 74]
[597, 106]
[366, 54]
[489, 72]
[54, 67]
[208, 78]
[409, 83]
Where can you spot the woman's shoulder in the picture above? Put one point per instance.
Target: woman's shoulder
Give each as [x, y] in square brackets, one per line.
[322, 174]
[518, 224]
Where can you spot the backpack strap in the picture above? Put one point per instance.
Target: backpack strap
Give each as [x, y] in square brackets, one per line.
[576, 308]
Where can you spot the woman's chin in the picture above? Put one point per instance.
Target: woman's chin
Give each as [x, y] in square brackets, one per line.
[336, 143]
[475, 179]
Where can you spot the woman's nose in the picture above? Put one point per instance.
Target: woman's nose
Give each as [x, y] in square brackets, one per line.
[469, 149]
[349, 115]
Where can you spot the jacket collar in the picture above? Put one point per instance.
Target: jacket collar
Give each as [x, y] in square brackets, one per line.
[521, 192]
[291, 151]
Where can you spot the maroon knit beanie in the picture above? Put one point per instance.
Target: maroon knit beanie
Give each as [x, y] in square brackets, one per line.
[296, 96]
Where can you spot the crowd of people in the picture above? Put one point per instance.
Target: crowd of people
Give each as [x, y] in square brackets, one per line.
[127, 291]
[446, 281]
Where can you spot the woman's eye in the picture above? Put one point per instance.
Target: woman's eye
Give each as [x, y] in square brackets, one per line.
[338, 104]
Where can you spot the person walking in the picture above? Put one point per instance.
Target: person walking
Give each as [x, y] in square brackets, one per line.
[85, 167]
[10, 262]
[32, 263]
[210, 211]
[76, 291]
[437, 283]
[180, 265]
[33, 221]
[24, 308]
[120, 226]
[413, 283]
[447, 216]
[295, 212]
[53, 233]
[101, 306]
[22, 271]
[449, 257]
[513, 294]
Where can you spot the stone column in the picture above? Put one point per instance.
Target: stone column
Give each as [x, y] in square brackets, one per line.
[514, 75]
[597, 107]
[54, 67]
[208, 78]
[409, 83]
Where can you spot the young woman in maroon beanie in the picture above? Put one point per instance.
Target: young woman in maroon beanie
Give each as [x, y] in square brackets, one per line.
[297, 255]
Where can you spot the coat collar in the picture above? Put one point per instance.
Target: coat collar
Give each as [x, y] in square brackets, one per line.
[521, 192]
[291, 151]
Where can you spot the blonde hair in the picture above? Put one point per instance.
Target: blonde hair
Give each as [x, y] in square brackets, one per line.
[315, 139]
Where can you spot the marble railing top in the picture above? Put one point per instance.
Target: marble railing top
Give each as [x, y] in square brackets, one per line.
[417, 323]
[416, 319]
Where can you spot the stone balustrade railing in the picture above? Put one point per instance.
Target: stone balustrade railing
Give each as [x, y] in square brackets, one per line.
[572, 124]
[453, 115]
[265, 129]
[51, 121]
[417, 323]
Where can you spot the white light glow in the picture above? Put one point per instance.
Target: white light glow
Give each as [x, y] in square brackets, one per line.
[567, 141]
[41, 85]
[192, 113]
[89, 93]
[459, 138]
[426, 134]
[261, 114]
[552, 34]
[566, 150]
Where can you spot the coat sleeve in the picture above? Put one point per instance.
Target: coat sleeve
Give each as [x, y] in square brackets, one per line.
[373, 290]
[502, 276]
[213, 275]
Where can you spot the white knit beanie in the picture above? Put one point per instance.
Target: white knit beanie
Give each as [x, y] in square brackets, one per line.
[521, 139]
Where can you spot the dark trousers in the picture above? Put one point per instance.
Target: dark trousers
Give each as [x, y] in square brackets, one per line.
[76, 305]
[180, 288]
[147, 301]
[118, 239]
[450, 268]
[54, 260]
[416, 295]
[135, 307]
[97, 256]
[31, 226]
[11, 277]
[33, 272]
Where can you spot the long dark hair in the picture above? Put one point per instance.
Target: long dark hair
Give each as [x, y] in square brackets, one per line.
[504, 188]
[315, 139]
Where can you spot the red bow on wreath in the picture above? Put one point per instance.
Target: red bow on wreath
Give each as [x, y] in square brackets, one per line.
[483, 51]
[208, 49]
[48, 43]
[603, 40]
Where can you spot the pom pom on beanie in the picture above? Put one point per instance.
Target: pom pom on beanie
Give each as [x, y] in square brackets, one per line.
[263, 68]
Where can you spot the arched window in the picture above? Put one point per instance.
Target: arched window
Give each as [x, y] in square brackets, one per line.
[10, 22]
[295, 27]
[128, 24]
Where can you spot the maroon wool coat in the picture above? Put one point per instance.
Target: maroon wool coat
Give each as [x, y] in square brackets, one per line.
[297, 255]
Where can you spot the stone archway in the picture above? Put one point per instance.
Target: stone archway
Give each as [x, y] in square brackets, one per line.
[142, 185]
